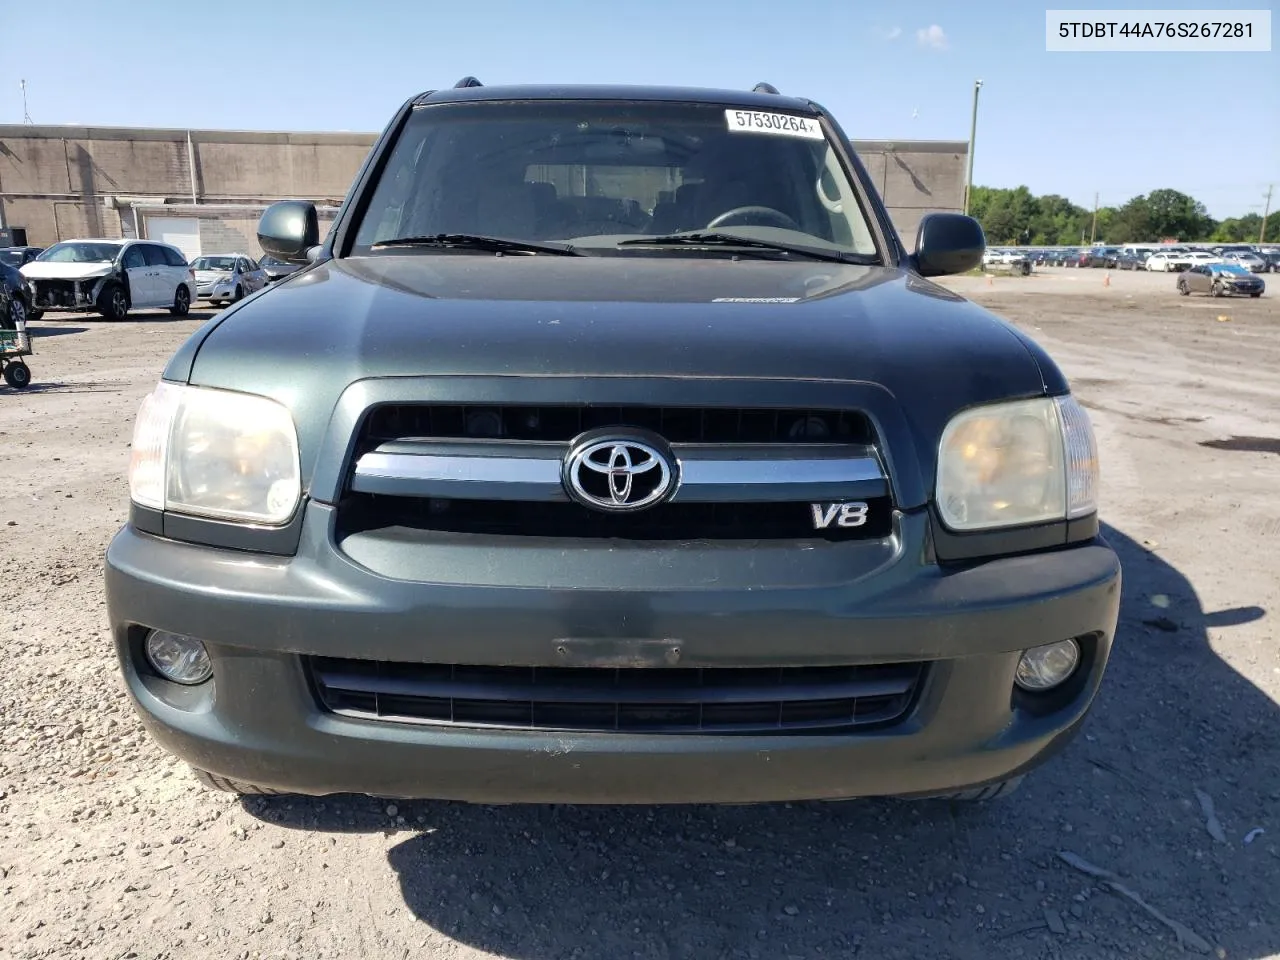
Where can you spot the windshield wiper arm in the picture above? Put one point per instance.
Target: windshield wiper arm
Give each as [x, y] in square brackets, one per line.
[473, 241]
[702, 238]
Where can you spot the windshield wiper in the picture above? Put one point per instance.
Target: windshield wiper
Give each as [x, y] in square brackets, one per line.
[705, 239]
[472, 241]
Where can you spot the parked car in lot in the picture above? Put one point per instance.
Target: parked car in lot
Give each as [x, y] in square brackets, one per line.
[15, 301]
[1220, 280]
[1163, 261]
[1131, 260]
[1102, 256]
[1177, 261]
[1273, 260]
[1014, 260]
[110, 276]
[277, 269]
[537, 485]
[17, 256]
[1247, 259]
[227, 278]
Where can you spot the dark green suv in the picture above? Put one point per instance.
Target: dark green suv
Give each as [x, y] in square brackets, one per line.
[612, 447]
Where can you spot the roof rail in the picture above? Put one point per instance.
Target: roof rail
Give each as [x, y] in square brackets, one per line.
[763, 87]
[468, 82]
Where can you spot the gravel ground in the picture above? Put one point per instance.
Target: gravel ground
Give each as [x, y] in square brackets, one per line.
[109, 849]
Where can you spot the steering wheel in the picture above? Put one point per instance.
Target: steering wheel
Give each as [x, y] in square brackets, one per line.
[763, 216]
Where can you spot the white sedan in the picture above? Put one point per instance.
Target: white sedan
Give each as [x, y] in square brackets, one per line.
[1179, 260]
[227, 278]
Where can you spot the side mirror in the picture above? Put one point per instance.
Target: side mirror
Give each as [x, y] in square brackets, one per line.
[948, 243]
[288, 229]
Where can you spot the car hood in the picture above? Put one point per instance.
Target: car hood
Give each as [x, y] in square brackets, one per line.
[340, 321]
[52, 270]
[209, 276]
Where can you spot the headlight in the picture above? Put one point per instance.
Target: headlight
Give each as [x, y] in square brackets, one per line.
[215, 453]
[1028, 461]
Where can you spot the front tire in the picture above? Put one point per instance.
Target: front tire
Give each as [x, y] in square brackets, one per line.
[226, 785]
[239, 294]
[17, 313]
[181, 302]
[1216, 290]
[113, 302]
[992, 791]
[1182, 288]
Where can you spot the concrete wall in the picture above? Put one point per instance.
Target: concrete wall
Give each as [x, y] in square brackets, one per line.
[62, 182]
[916, 177]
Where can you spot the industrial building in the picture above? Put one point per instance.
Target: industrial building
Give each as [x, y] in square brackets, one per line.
[203, 190]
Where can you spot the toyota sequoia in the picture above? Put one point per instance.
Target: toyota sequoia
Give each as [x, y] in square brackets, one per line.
[611, 447]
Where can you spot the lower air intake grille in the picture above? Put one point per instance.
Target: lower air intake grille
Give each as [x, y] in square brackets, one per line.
[723, 700]
[668, 521]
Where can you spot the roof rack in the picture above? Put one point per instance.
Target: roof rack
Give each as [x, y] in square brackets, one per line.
[763, 87]
[468, 82]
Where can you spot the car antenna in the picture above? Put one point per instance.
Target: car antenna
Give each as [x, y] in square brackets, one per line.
[468, 82]
[763, 87]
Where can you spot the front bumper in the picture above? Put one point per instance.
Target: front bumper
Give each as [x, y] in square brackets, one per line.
[64, 295]
[259, 720]
[1243, 286]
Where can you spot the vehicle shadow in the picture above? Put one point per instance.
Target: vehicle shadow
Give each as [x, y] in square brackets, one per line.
[39, 331]
[42, 328]
[899, 879]
[60, 386]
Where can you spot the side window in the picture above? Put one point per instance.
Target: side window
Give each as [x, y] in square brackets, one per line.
[134, 257]
[155, 255]
[174, 257]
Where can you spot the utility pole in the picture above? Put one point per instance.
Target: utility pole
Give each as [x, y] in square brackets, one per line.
[973, 132]
[1262, 234]
[1093, 230]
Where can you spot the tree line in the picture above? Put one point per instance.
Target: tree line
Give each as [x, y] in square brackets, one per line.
[1017, 217]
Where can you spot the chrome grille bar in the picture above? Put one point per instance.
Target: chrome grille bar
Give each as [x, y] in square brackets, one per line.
[499, 470]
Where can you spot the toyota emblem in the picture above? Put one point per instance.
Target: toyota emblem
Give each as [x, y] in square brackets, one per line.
[618, 473]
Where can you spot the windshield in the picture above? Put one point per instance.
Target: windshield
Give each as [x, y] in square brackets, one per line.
[224, 264]
[595, 173]
[12, 257]
[73, 252]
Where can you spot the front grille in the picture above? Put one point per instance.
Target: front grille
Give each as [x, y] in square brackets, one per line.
[561, 423]
[668, 521]
[724, 700]
[60, 293]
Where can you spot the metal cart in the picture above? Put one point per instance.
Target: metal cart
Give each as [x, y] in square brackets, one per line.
[14, 345]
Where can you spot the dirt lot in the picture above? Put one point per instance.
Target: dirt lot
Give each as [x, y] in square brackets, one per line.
[108, 848]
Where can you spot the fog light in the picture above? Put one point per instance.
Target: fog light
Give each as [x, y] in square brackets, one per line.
[178, 658]
[1043, 668]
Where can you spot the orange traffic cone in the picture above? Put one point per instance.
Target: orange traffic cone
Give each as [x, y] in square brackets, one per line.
[989, 283]
[1106, 279]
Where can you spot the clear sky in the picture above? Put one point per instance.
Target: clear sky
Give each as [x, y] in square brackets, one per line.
[1068, 123]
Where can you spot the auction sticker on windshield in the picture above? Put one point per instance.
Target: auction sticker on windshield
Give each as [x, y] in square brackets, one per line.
[784, 124]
